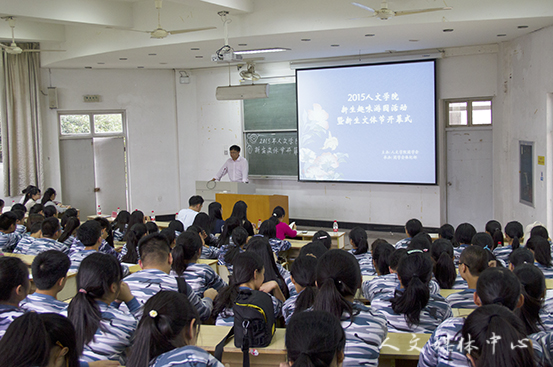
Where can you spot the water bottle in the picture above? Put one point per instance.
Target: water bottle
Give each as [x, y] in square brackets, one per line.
[258, 224]
[335, 226]
[118, 210]
[99, 210]
[153, 217]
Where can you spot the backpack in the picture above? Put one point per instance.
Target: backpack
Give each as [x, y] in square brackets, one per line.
[254, 323]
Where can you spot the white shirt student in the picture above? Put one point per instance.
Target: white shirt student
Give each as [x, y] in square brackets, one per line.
[186, 216]
[235, 166]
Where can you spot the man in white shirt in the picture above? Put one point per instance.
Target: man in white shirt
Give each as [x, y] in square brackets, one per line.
[235, 166]
[186, 216]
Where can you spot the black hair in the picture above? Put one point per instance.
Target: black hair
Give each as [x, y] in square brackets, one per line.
[315, 248]
[262, 247]
[169, 234]
[413, 227]
[533, 289]
[303, 270]
[444, 268]
[1, 203]
[195, 200]
[71, 226]
[493, 331]
[7, 220]
[539, 231]
[13, 273]
[202, 221]
[97, 272]
[134, 234]
[243, 269]
[447, 232]
[194, 229]
[215, 213]
[160, 330]
[464, 233]
[324, 237]
[394, 257]
[521, 256]
[415, 272]
[278, 212]
[33, 218]
[29, 192]
[47, 196]
[498, 286]
[30, 338]
[239, 238]
[21, 214]
[493, 228]
[186, 250]
[542, 250]
[137, 217]
[359, 238]
[230, 225]
[37, 208]
[381, 254]
[153, 248]
[105, 224]
[236, 148]
[176, 225]
[240, 211]
[515, 231]
[89, 232]
[475, 258]
[484, 240]
[19, 206]
[69, 213]
[421, 241]
[268, 229]
[35, 227]
[50, 226]
[48, 267]
[376, 242]
[121, 221]
[338, 277]
[151, 227]
[314, 339]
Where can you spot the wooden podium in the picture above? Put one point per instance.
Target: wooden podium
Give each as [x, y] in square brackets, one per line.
[259, 206]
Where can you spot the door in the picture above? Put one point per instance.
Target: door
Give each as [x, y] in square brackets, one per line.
[469, 176]
[110, 173]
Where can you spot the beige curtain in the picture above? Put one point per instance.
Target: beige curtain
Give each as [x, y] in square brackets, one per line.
[21, 120]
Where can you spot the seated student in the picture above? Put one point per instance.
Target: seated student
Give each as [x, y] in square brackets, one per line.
[105, 247]
[412, 228]
[268, 230]
[186, 216]
[493, 228]
[323, 237]
[200, 277]
[386, 279]
[473, 261]
[166, 334]
[514, 234]
[520, 256]
[155, 261]
[10, 232]
[120, 225]
[50, 211]
[137, 217]
[90, 235]
[170, 235]
[51, 231]
[282, 229]
[235, 246]
[302, 275]
[103, 330]
[40, 340]
[31, 219]
[315, 338]
[36, 209]
[463, 236]
[19, 206]
[542, 253]
[208, 252]
[176, 226]
[230, 225]
[338, 278]
[48, 200]
[421, 241]
[315, 249]
[34, 233]
[215, 213]
[203, 222]
[412, 309]
[494, 286]
[240, 211]
[248, 273]
[444, 267]
[260, 246]
[14, 286]
[20, 214]
[129, 252]
[358, 240]
[493, 331]
[485, 241]
[69, 231]
[447, 232]
[151, 227]
[31, 196]
[49, 275]
[532, 313]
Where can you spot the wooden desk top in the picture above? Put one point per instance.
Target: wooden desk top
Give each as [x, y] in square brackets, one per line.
[446, 292]
[211, 335]
[162, 225]
[461, 312]
[27, 259]
[298, 244]
[403, 345]
[549, 283]
[207, 261]
[312, 233]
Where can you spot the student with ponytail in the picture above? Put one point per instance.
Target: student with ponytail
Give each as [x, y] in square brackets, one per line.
[412, 228]
[268, 229]
[358, 240]
[129, 253]
[514, 234]
[230, 224]
[103, 331]
[386, 279]
[463, 236]
[283, 229]
[167, 333]
[70, 231]
[520, 256]
[338, 278]
[261, 247]
[235, 246]
[302, 275]
[473, 261]
[444, 266]
[485, 241]
[532, 314]
[493, 228]
[31, 196]
[413, 309]
[315, 338]
[542, 253]
[120, 225]
[447, 232]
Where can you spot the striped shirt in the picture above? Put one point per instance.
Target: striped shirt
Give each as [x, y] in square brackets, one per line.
[365, 262]
[278, 245]
[8, 241]
[433, 314]
[503, 252]
[463, 299]
[78, 257]
[69, 241]
[384, 286]
[457, 252]
[460, 283]
[39, 245]
[442, 349]
[404, 243]
[7, 315]
[542, 343]
[289, 307]
[187, 356]
[547, 272]
[210, 252]
[104, 248]
[42, 303]
[201, 277]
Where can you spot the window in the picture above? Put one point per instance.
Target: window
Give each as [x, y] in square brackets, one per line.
[91, 124]
[469, 112]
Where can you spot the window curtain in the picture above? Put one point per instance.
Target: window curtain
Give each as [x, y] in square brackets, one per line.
[21, 120]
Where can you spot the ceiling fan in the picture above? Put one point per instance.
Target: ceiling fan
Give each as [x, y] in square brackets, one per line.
[13, 48]
[161, 33]
[384, 13]
[249, 73]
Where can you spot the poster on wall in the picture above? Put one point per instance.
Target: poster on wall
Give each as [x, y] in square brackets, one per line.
[526, 173]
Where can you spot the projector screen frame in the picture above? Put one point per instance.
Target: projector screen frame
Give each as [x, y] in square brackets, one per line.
[366, 64]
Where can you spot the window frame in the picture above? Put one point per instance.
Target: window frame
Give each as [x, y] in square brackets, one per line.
[469, 111]
[91, 115]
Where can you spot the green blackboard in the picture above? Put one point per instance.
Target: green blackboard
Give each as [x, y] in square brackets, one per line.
[278, 112]
[272, 153]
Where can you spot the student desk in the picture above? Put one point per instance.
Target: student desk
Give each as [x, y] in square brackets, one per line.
[461, 312]
[294, 250]
[548, 283]
[338, 238]
[446, 292]
[402, 349]
[162, 225]
[210, 262]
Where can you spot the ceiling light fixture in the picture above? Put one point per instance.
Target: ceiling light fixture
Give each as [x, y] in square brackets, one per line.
[448, 30]
[261, 51]
[522, 27]
[369, 35]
